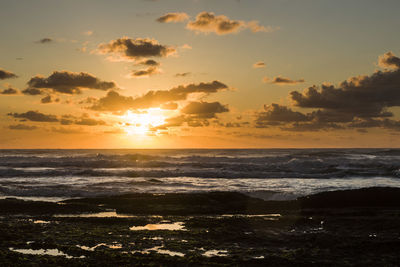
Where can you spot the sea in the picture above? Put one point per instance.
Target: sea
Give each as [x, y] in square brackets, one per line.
[270, 174]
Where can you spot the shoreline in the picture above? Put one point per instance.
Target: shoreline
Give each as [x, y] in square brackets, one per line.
[218, 228]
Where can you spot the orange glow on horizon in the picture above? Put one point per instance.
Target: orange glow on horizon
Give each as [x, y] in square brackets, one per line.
[140, 124]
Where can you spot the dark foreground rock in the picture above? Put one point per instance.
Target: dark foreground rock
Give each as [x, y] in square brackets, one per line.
[342, 228]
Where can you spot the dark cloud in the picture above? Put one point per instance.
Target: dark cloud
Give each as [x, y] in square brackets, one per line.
[195, 114]
[275, 114]
[204, 109]
[362, 96]
[89, 122]
[283, 81]
[183, 74]
[116, 102]
[67, 82]
[22, 127]
[207, 22]
[88, 100]
[134, 49]
[35, 116]
[4, 74]
[113, 101]
[150, 71]
[259, 64]
[82, 120]
[389, 60]
[149, 62]
[45, 41]
[371, 123]
[9, 91]
[46, 99]
[359, 102]
[236, 124]
[312, 127]
[171, 122]
[49, 99]
[32, 91]
[173, 17]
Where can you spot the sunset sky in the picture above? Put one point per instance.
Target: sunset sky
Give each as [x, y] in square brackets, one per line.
[199, 73]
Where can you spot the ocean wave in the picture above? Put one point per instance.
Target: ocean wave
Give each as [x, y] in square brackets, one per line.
[76, 173]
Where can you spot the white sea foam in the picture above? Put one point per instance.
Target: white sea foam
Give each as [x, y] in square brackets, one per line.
[276, 174]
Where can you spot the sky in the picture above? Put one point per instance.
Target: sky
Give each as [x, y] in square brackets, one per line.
[199, 73]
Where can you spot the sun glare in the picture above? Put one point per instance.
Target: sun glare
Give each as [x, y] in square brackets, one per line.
[142, 123]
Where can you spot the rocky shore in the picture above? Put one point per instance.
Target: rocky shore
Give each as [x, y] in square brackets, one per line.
[339, 228]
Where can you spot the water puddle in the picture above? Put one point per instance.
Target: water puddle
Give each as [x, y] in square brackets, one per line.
[160, 250]
[50, 252]
[153, 238]
[267, 217]
[39, 221]
[105, 214]
[176, 226]
[273, 215]
[215, 253]
[259, 257]
[115, 245]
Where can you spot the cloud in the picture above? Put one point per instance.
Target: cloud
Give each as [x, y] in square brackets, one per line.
[275, 114]
[207, 22]
[64, 130]
[67, 82]
[45, 40]
[283, 81]
[32, 91]
[150, 71]
[236, 124]
[389, 60]
[169, 106]
[183, 74]
[9, 91]
[195, 114]
[84, 119]
[89, 122]
[115, 131]
[259, 64]
[312, 127]
[358, 102]
[34, 116]
[254, 26]
[149, 62]
[171, 122]
[49, 99]
[128, 49]
[22, 127]
[204, 109]
[113, 101]
[88, 33]
[186, 46]
[4, 74]
[361, 96]
[173, 17]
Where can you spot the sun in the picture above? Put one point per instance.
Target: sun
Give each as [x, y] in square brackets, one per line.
[142, 122]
